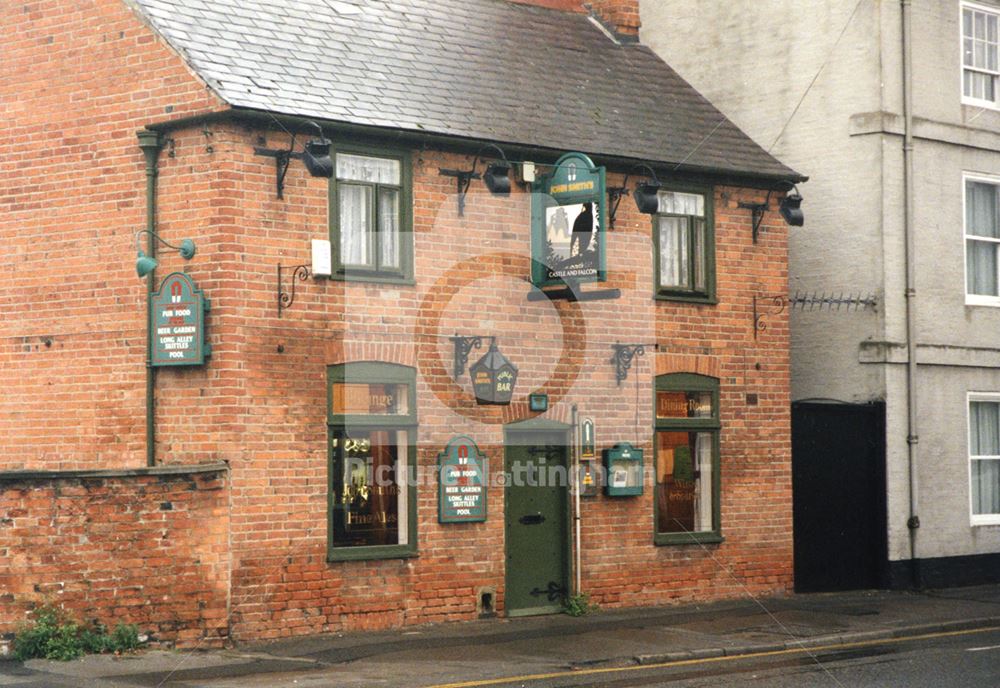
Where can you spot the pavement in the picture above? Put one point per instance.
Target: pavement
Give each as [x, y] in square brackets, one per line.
[483, 651]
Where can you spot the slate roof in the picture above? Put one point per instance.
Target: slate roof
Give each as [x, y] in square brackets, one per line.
[489, 70]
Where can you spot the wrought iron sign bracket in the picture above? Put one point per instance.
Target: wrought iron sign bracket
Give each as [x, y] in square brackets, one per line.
[463, 178]
[757, 213]
[615, 193]
[624, 355]
[764, 306]
[463, 347]
[287, 298]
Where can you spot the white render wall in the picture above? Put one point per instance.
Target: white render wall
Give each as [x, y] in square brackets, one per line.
[754, 59]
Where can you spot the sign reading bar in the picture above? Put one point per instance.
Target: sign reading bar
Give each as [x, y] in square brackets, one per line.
[568, 213]
[462, 482]
[178, 326]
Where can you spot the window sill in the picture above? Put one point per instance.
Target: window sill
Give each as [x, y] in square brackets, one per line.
[336, 554]
[986, 520]
[987, 104]
[686, 298]
[660, 539]
[373, 278]
[980, 300]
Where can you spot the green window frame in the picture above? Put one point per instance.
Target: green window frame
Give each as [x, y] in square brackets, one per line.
[684, 245]
[700, 426]
[403, 423]
[375, 217]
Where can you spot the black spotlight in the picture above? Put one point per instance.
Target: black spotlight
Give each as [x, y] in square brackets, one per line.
[791, 209]
[317, 158]
[647, 197]
[497, 178]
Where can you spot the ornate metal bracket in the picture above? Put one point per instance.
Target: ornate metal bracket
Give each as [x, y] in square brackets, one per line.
[624, 355]
[615, 193]
[463, 346]
[757, 213]
[287, 298]
[463, 178]
[765, 306]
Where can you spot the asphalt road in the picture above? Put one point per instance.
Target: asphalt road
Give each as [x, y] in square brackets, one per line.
[955, 660]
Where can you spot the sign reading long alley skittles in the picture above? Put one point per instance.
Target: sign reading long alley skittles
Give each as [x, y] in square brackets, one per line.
[462, 482]
[178, 323]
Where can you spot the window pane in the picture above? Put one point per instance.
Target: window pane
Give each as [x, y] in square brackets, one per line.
[981, 268]
[967, 52]
[369, 399]
[979, 30]
[674, 252]
[981, 210]
[684, 405]
[363, 168]
[991, 29]
[388, 228]
[979, 54]
[991, 58]
[984, 428]
[370, 495]
[699, 256]
[967, 23]
[676, 203]
[986, 487]
[684, 478]
[355, 224]
[967, 84]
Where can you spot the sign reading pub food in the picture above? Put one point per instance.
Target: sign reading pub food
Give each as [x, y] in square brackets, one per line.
[462, 482]
[568, 213]
[178, 324]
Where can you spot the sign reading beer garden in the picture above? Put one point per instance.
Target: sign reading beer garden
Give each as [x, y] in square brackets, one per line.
[568, 212]
[178, 323]
[461, 482]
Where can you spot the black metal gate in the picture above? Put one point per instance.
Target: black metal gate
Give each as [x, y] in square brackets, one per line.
[838, 487]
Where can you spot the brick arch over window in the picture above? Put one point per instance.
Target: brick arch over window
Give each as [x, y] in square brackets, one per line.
[400, 353]
[686, 363]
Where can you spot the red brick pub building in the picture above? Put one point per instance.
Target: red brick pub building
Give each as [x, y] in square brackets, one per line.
[269, 467]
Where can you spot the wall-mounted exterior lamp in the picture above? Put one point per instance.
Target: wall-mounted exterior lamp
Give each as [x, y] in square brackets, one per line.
[646, 194]
[315, 155]
[496, 177]
[146, 264]
[791, 208]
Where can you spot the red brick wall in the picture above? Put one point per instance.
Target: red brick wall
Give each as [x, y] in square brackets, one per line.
[145, 549]
[77, 79]
[621, 15]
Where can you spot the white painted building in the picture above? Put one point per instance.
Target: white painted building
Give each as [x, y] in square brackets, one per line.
[823, 85]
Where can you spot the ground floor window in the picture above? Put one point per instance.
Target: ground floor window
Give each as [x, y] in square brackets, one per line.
[984, 458]
[686, 446]
[372, 486]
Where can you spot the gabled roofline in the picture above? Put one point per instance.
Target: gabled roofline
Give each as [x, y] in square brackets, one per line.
[667, 170]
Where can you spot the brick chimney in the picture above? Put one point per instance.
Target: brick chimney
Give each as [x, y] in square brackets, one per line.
[621, 16]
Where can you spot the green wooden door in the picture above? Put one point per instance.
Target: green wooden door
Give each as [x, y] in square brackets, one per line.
[536, 524]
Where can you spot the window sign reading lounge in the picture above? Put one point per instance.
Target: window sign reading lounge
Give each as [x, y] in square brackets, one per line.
[358, 398]
[462, 482]
[567, 223]
[178, 324]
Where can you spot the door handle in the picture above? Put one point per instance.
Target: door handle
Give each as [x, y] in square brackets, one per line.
[531, 519]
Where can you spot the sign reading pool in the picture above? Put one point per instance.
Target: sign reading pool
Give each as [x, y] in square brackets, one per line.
[568, 213]
[462, 482]
[178, 325]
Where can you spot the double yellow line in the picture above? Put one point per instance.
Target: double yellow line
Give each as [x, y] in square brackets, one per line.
[710, 660]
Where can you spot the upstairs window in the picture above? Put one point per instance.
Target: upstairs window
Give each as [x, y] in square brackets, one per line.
[371, 234]
[685, 247]
[982, 242]
[979, 55]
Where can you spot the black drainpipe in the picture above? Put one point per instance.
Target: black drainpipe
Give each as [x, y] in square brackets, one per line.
[150, 143]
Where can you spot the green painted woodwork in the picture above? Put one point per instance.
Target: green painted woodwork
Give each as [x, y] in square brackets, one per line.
[708, 296]
[461, 482]
[178, 323]
[536, 522]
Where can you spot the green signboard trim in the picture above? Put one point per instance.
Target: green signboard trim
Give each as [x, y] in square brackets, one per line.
[449, 457]
[549, 192]
[187, 294]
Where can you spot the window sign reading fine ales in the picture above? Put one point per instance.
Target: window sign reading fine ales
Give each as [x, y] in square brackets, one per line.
[568, 211]
[178, 323]
[462, 482]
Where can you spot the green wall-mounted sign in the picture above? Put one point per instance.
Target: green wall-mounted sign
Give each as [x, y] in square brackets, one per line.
[178, 324]
[568, 212]
[461, 482]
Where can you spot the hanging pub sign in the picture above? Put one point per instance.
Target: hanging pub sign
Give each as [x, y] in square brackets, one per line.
[178, 323]
[568, 213]
[461, 482]
[493, 378]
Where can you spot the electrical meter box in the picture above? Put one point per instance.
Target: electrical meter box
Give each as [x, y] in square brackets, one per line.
[624, 470]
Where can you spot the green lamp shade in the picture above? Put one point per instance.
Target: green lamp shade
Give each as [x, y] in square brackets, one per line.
[145, 265]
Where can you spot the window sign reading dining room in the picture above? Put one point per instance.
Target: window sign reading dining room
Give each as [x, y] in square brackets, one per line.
[568, 213]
